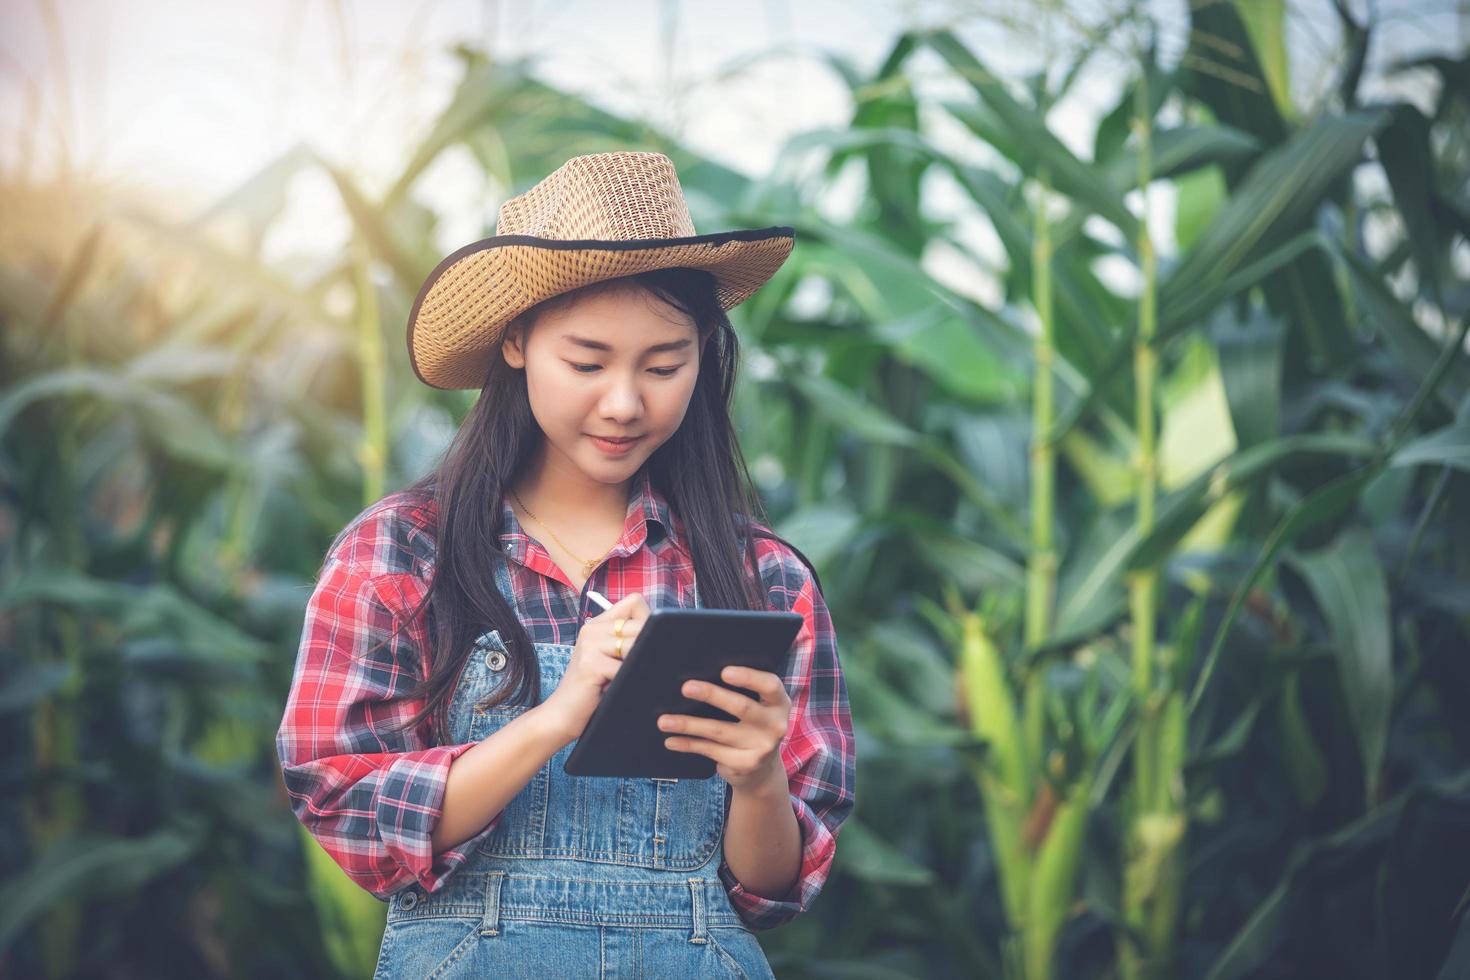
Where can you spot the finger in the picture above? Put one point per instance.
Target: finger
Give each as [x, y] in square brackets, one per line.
[769, 686]
[624, 608]
[631, 609]
[607, 666]
[628, 605]
[609, 642]
[723, 732]
[623, 641]
[730, 701]
[610, 649]
[712, 750]
[600, 672]
[631, 628]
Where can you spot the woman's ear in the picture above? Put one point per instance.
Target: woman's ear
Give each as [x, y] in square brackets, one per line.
[511, 349]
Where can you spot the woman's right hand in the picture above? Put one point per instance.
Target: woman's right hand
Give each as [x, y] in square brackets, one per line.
[593, 664]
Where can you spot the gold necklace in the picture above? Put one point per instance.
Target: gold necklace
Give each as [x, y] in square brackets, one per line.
[587, 564]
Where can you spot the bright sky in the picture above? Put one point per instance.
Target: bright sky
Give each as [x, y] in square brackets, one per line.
[188, 99]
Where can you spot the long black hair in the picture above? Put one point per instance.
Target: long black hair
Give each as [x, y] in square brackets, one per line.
[699, 469]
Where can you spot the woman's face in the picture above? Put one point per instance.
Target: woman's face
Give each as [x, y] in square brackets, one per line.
[617, 363]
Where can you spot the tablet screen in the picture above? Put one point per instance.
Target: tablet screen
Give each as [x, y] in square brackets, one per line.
[622, 737]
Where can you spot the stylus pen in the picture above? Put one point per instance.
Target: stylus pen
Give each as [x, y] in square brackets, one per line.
[599, 598]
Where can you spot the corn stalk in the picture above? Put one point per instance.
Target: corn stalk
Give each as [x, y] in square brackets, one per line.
[58, 809]
[1036, 819]
[1041, 565]
[1155, 827]
[373, 451]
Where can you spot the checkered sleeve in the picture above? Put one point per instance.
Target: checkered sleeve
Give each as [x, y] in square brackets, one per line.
[369, 793]
[818, 751]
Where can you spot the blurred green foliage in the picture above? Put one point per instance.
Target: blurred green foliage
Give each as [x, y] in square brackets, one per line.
[1277, 785]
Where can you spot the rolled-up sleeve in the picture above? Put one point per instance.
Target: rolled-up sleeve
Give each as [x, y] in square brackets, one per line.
[818, 752]
[369, 791]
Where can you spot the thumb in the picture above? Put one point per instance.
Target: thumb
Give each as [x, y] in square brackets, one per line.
[623, 606]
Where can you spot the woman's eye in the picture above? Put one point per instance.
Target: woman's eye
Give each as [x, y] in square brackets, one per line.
[589, 368]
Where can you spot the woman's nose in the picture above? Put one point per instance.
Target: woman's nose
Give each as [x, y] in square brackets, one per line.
[622, 400]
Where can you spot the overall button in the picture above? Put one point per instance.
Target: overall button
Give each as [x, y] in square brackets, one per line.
[409, 900]
[495, 660]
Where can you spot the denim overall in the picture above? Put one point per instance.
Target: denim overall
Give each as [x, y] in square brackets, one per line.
[583, 876]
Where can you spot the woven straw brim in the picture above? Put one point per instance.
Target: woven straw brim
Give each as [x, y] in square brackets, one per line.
[465, 304]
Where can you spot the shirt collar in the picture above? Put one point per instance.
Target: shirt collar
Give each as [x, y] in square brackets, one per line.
[649, 519]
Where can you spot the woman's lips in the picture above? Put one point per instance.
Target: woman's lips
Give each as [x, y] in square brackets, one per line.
[613, 448]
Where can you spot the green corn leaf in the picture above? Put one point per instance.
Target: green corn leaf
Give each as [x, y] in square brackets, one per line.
[849, 411]
[1457, 964]
[1272, 202]
[993, 445]
[170, 421]
[967, 563]
[1175, 320]
[1178, 513]
[1299, 747]
[1449, 446]
[1357, 844]
[1090, 592]
[1326, 503]
[32, 683]
[1111, 480]
[409, 258]
[179, 363]
[1348, 583]
[91, 867]
[1181, 510]
[1004, 816]
[1223, 69]
[1253, 944]
[1250, 368]
[1265, 23]
[1200, 195]
[153, 613]
[64, 381]
[1407, 156]
[1180, 150]
[235, 279]
[1113, 129]
[976, 491]
[821, 531]
[917, 663]
[894, 718]
[261, 197]
[1329, 502]
[866, 855]
[1231, 741]
[1032, 140]
[1055, 880]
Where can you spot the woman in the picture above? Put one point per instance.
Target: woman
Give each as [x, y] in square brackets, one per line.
[451, 655]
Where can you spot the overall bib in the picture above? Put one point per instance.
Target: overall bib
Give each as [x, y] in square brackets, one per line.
[583, 876]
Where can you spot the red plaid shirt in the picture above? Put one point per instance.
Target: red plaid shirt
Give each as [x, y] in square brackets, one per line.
[371, 797]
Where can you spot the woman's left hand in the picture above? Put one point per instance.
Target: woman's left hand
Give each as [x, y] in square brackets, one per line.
[746, 751]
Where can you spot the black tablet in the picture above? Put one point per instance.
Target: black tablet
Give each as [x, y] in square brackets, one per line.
[622, 737]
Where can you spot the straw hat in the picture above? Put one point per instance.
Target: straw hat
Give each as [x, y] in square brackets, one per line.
[596, 217]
